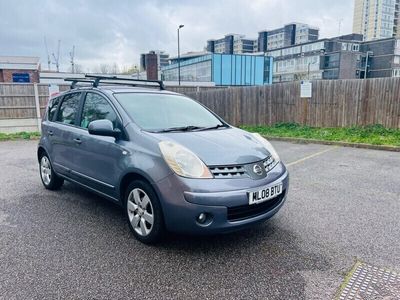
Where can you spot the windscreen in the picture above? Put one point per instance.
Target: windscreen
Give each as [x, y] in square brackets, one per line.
[157, 112]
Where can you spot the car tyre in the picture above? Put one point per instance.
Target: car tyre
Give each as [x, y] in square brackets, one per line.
[143, 212]
[50, 179]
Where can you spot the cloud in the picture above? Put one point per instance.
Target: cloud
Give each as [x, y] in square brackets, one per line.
[118, 31]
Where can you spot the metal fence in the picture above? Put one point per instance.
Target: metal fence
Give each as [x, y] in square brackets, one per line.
[334, 103]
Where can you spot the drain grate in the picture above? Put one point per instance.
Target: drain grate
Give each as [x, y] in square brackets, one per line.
[371, 283]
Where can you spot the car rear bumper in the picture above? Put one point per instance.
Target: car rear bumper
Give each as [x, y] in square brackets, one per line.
[224, 201]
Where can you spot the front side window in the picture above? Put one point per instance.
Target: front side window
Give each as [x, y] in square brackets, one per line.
[97, 107]
[156, 112]
[69, 108]
[52, 108]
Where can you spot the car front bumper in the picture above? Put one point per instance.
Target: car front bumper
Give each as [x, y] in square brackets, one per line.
[183, 200]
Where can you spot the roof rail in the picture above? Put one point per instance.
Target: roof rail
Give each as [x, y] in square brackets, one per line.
[74, 81]
[95, 80]
[131, 81]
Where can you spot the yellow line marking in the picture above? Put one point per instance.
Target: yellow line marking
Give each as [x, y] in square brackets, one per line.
[310, 156]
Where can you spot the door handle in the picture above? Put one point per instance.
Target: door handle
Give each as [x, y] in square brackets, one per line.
[50, 132]
[78, 141]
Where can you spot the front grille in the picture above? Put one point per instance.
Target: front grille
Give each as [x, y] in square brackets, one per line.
[240, 171]
[269, 163]
[228, 171]
[238, 213]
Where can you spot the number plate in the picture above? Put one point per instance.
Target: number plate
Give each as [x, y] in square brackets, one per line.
[265, 194]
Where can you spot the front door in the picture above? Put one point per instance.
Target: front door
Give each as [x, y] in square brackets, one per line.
[97, 158]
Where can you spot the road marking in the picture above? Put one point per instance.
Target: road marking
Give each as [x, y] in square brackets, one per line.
[310, 156]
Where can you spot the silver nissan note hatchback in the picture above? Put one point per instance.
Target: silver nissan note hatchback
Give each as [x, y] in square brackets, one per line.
[170, 162]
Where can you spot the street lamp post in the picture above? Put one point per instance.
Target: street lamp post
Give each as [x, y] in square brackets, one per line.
[366, 63]
[179, 57]
[308, 69]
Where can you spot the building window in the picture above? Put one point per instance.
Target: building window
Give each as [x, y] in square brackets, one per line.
[356, 47]
[331, 74]
[332, 61]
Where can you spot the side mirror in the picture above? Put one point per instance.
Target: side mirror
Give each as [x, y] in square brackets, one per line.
[103, 128]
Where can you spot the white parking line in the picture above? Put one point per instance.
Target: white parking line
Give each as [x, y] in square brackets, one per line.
[311, 156]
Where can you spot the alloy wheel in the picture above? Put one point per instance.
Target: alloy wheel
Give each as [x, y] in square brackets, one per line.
[45, 170]
[140, 212]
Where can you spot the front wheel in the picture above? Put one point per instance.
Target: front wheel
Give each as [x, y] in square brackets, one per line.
[143, 212]
[50, 179]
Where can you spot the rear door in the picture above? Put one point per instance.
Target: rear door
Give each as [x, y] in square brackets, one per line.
[64, 131]
[48, 125]
[98, 158]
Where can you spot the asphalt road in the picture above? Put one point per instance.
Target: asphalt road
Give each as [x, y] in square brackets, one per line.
[343, 206]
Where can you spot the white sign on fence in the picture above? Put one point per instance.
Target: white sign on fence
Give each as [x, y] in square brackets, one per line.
[305, 89]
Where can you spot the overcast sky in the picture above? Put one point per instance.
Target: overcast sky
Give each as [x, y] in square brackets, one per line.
[118, 31]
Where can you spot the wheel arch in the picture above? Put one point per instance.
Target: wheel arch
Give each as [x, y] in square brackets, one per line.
[137, 175]
[40, 152]
[128, 178]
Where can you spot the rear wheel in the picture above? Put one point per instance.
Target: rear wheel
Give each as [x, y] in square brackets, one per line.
[143, 212]
[50, 179]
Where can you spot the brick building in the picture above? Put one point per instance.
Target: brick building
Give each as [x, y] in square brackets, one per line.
[22, 69]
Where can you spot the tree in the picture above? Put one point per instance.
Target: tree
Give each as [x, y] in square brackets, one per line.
[114, 68]
[129, 70]
[78, 68]
[107, 69]
[104, 69]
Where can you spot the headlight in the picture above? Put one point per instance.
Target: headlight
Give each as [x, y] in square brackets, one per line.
[183, 161]
[267, 145]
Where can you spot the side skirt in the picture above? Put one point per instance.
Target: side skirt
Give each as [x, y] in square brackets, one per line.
[91, 189]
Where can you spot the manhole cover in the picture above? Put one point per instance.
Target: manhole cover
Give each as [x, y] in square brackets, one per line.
[371, 283]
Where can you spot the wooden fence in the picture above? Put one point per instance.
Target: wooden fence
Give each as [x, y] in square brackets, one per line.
[334, 103]
[23, 105]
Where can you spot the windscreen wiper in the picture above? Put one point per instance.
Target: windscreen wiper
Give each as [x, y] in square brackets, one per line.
[182, 128]
[212, 127]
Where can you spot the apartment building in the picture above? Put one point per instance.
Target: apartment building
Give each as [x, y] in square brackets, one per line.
[290, 34]
[376, 19]
[232, 44]
[161, 56]
[343, 57]
[383, 57]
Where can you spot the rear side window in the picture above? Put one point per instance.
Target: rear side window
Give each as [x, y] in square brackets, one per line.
[97, 107]
[52, 108]
[69, 109]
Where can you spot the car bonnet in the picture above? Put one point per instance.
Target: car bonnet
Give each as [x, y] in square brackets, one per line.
[219, 147]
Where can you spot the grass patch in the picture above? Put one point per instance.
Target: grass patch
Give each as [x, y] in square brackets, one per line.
[19, 136]
[372, 134]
